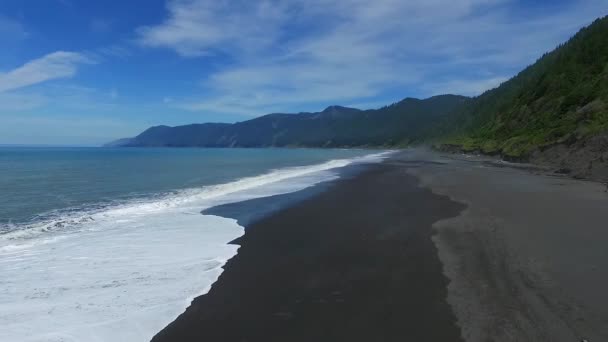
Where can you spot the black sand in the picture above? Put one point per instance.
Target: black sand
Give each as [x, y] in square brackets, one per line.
[354, 263]
[527, 260]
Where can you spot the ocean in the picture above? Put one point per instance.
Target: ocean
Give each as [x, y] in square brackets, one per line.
[109, 244]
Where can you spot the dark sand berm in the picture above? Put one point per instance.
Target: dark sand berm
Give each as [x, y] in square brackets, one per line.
[528, 258]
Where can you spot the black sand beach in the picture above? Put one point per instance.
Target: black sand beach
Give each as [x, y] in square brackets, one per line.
[353, 263]
[423, 247]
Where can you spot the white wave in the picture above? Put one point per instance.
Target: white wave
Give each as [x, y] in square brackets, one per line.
[124, 272]
[75, 218]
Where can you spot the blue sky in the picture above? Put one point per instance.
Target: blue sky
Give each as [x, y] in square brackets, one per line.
[86, 71]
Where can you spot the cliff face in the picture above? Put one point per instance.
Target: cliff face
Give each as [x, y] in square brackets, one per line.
[583, 158]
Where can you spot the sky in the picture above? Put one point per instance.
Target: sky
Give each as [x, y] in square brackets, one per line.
[85, 72]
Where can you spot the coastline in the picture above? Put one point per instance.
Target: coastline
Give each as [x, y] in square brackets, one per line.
[121, 269]
[353, 262]
[422, 246]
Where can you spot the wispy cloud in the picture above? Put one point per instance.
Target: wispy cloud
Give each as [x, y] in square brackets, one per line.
[120, 51]
[11, 29]
[195, 28]
[56, 65]
[295, 53]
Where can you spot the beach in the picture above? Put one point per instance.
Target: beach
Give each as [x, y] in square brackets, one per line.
[420, 247]
[527, 259]
[353, 263]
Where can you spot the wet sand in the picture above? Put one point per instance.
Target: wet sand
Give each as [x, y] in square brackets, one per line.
[353, 263]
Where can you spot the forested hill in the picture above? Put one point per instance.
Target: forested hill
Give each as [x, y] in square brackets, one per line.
[394, 125]
[561, 99]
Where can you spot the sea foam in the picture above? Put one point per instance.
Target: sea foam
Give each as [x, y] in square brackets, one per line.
[123, 272]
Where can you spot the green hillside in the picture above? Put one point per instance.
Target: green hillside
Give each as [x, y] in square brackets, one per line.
[563, 97]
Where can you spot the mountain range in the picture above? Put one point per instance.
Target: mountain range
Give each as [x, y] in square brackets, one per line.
[335, 126]
[554, 112]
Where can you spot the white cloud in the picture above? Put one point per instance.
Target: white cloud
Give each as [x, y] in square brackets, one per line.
[285, 54]
[60, 64]
[196, 28]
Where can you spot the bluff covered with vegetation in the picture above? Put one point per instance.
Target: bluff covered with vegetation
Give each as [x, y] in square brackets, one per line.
[562, 98]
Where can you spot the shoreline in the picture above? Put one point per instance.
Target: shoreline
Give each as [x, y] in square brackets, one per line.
[125, 269]
[334, 267]
[421, 246]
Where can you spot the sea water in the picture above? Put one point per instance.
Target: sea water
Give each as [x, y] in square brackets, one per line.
[109, 244]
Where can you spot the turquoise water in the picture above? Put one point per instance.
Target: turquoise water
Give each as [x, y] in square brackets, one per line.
[37, 182]
[101, 244]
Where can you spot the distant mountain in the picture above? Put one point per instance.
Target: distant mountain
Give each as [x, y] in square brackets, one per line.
[336, 126]
[119, 142]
